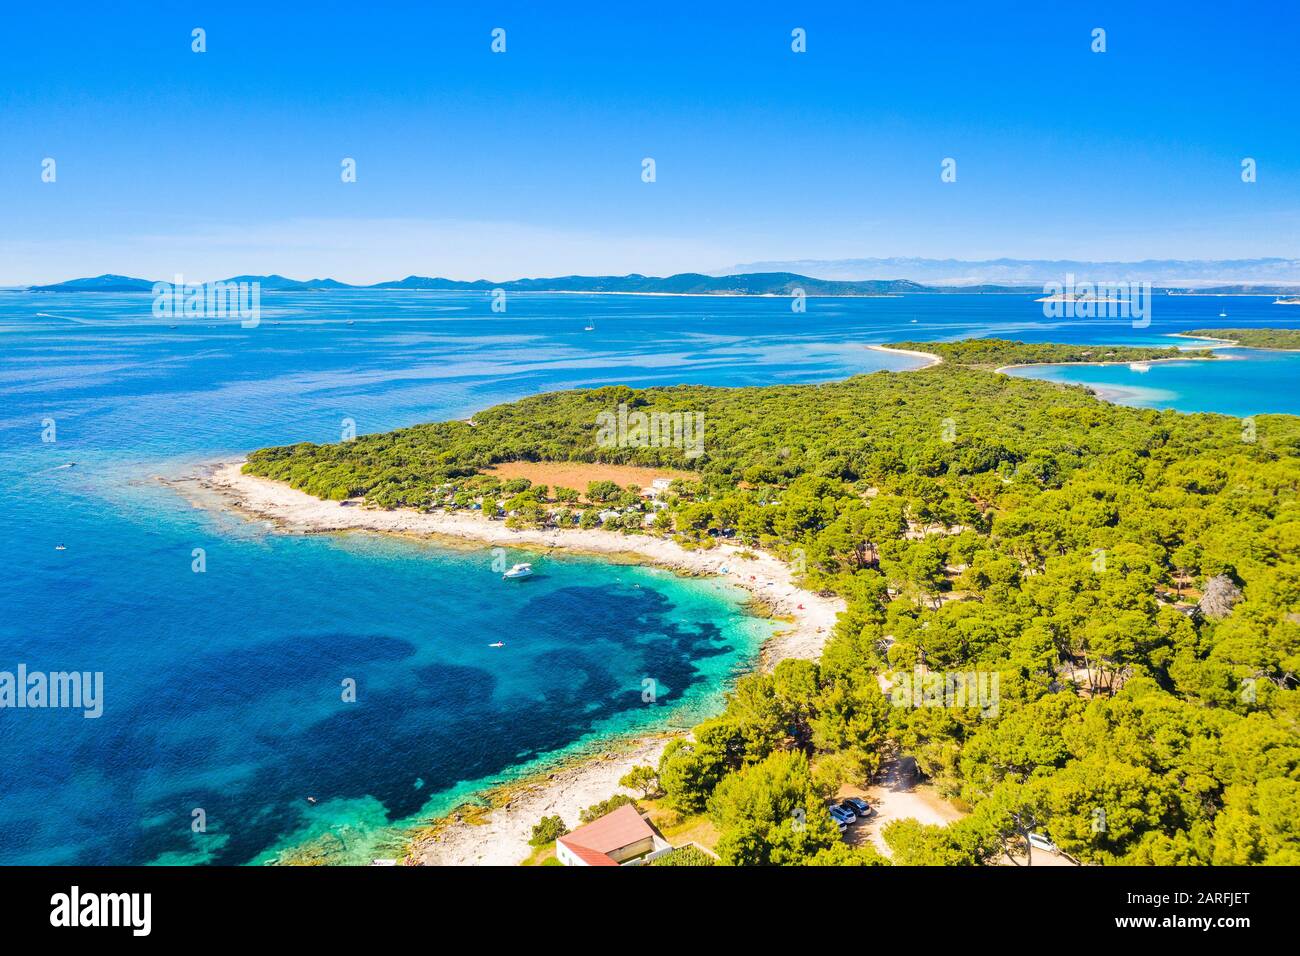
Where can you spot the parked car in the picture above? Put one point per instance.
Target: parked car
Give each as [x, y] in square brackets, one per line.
[838, 820]
[859, 807]
[1040, 842]
[849, 808]
[844, 816]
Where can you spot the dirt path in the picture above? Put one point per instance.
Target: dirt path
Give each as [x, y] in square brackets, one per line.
[898, 795]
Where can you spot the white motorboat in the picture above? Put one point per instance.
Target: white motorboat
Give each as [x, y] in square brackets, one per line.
[518, 571]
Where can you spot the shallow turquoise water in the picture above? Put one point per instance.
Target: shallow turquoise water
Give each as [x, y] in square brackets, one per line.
[1240, 382]
[222, 689]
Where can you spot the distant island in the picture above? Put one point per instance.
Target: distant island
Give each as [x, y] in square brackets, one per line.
[1284, 339]
[1186, 274]
[684, 283]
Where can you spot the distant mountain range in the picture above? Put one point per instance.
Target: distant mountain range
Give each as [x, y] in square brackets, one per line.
[945, 272]
[114, 283]
[686, 283]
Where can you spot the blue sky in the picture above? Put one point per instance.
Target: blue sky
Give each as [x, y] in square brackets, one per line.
[472, 164]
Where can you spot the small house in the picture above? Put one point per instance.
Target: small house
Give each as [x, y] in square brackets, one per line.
[619, 837]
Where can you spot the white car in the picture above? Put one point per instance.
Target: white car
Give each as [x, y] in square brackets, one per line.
[843, 816]
[1040, 842]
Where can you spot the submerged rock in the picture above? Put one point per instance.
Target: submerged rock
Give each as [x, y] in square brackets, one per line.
[1221, 594]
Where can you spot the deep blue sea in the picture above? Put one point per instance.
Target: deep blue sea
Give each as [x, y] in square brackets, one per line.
[222, 689]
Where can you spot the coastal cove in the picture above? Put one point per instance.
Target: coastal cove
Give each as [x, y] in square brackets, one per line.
[958, 512]
[768, 580]
[1188, 385]
[285, 616]
[565, 782]
[688, 437]
[1228, 385]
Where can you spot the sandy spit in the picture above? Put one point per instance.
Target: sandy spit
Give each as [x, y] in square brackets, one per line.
[1202, 338]
[1156, 361]
[930, 358]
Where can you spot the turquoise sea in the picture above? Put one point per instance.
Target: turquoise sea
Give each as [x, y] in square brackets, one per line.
[222, 689]
[1239, 382]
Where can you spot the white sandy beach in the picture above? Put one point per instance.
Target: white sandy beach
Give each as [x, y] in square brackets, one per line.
[501, 837]
[1130, 362]
[765, 576]
[1219, 343]
[933, 359]
[930, 358]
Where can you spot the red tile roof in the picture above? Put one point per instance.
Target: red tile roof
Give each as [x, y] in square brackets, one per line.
[590, 857]
[613, 831]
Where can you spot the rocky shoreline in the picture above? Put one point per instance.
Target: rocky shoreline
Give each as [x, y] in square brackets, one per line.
[500, 836]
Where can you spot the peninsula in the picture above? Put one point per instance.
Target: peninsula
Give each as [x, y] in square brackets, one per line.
[1102, 566]
[1281, 339]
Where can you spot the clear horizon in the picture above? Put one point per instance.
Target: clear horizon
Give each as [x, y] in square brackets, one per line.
[1091, 271]
[472, 164]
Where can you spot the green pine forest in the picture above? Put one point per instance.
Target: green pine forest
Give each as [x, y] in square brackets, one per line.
[993, 353]
[1286, 339]
[1131, 576]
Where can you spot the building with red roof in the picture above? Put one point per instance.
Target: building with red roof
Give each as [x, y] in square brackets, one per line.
[617, 837]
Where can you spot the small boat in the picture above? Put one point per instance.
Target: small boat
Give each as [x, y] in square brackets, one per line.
[498, 644]
[518, 571]
[60, 547]
[311, 799]
[1223, 315]
[589, 328]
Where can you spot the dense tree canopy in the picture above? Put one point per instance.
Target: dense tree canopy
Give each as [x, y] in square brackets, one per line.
[992, 353]
[1285, 339]
[974, 523]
